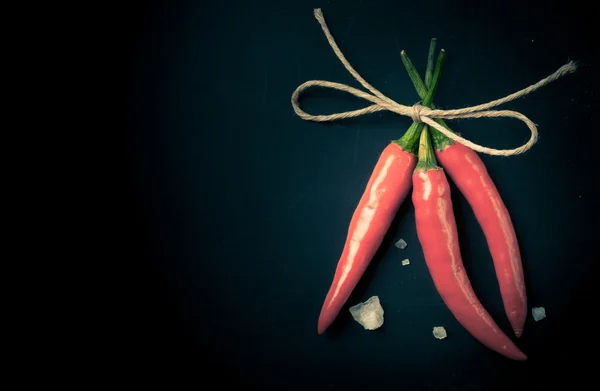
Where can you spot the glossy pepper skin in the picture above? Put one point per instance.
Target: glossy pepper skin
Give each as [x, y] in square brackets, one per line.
[386, 189]
[466, 169]
[436, 230]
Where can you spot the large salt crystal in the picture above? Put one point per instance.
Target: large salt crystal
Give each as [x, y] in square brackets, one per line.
[401, 244]
[439, 332]
[368, 314]
[538, 313]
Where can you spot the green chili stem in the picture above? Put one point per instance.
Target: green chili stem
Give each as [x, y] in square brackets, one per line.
[414, 75]
[428, 72]
[428, 100]
[440, 140]
[426, 155]
[410, 139]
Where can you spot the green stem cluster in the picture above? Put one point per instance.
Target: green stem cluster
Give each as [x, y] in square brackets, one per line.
[440, 140]
[410, 140]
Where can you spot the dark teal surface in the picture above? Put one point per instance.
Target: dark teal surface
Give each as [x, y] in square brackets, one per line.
[242, 208]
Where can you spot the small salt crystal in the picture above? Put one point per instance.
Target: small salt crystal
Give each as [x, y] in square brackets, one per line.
[368, 314]
[439, 332]
[405, 262]
[538, 313]
[401, 244]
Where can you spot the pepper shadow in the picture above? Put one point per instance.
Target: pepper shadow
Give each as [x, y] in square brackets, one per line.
[344, 318]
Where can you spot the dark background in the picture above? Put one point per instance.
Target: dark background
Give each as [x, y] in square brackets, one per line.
[239, 209]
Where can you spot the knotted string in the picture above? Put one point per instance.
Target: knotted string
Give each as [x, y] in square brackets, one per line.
[420, 113]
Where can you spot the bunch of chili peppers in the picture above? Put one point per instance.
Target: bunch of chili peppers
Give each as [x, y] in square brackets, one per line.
[412, 161]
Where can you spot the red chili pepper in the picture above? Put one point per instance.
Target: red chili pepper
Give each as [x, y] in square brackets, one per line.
[387, 188]
[468, 172]
[436, 230]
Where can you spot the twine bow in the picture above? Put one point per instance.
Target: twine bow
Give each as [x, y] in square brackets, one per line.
[420, 113]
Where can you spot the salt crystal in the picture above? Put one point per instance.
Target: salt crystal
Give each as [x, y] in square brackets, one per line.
[401, 244]
[538, 313]
[405, 262]
[439, 332]
[368, 314]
